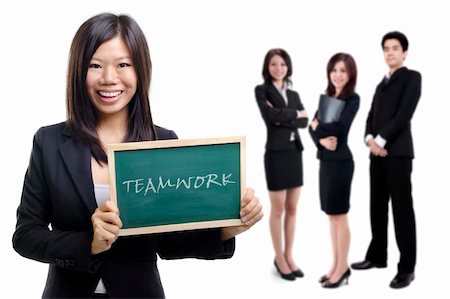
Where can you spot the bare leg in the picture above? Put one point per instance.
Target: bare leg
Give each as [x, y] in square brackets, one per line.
[278, 199]
[292, 198]
[333, 235]
[343, 244]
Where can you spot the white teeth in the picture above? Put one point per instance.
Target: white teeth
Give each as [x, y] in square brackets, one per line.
[109, 94]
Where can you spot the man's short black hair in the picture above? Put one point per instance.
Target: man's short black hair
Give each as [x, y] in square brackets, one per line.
[398, 36]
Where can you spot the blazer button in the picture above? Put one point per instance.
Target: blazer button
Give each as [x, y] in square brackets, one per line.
[69, 263]
[59, 262]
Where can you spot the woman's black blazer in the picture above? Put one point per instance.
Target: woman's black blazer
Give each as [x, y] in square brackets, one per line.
[280, 119]
[339, 129]
[54, 226]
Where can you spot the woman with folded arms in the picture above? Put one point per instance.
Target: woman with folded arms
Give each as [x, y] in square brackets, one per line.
[283, 114]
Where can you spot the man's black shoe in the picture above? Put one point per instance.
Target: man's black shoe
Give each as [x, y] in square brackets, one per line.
[402, 280]
[364, 265]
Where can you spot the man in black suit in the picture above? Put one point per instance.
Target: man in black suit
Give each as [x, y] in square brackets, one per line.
[388, 136]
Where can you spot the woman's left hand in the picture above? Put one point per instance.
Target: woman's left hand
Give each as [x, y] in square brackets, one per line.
[251, 212]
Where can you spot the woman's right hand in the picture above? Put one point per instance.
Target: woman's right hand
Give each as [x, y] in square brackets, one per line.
[330, 143]
[302, 113]
[106, 224]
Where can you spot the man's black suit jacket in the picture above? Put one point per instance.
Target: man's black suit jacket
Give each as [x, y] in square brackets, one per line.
[54, 226]
[393, 106]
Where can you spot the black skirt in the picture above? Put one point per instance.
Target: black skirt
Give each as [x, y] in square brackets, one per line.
[335, 184]
[284, 169]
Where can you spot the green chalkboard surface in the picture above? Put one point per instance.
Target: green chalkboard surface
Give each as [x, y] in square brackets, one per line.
[177, 184]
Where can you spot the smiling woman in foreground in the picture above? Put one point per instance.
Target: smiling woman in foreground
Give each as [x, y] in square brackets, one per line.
[65, 217]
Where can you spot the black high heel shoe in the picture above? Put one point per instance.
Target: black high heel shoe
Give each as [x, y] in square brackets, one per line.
[323, 278]
[289, 276]
[344, 279]
[298, 273]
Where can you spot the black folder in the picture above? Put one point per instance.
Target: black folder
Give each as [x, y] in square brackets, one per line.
[329, 109]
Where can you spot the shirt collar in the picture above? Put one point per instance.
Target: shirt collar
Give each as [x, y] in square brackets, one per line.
[282, 89]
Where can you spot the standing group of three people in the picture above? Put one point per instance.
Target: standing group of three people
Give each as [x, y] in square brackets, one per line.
[388, 137]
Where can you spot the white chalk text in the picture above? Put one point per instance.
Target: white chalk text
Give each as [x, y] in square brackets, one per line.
[145, 186]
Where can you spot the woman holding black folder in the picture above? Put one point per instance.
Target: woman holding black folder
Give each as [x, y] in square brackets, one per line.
[336, 162]
[283, 114]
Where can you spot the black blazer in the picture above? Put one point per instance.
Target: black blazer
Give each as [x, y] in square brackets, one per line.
[339, 129]
[392, 109]
[280, 120]
[54, 226]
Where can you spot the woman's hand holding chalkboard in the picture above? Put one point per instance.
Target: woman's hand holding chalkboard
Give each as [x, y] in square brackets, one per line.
[106, 224]
[251, 212]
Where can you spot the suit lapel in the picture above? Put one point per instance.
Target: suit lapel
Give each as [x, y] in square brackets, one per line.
[291, 103]
[275, 94]
[394, 76]
[77, 159]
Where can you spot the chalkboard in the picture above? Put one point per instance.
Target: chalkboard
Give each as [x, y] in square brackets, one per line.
[173, 185]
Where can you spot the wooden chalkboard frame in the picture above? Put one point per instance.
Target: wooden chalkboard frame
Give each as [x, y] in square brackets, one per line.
[173, 143]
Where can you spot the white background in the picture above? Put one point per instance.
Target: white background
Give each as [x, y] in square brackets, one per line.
[207, 58]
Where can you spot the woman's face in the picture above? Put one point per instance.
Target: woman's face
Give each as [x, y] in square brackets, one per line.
[339, 76]
[277, 68]
[111, 78]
